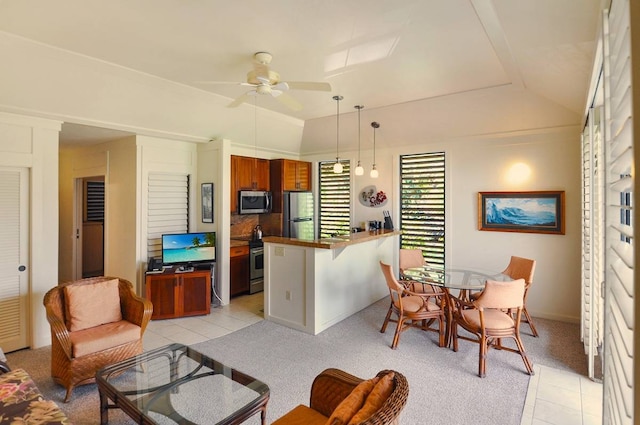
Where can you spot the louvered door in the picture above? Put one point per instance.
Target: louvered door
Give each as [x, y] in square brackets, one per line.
[14, 211]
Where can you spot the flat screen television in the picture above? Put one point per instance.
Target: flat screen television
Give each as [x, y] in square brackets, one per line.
[188, 248]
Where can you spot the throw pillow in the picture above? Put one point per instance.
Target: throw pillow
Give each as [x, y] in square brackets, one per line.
[352, 403]
[92, 305]
[376, 398]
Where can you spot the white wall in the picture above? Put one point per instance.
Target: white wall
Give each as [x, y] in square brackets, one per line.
[481, 164]
[33, 143]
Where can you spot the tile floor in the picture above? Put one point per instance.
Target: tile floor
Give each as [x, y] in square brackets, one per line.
[554, 397]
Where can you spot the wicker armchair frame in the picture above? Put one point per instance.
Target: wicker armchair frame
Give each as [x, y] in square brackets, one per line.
[332, 386]
[70, 371]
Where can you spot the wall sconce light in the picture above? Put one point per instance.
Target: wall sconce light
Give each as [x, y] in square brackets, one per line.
[337, 167]
[359, 168]
[374, 171]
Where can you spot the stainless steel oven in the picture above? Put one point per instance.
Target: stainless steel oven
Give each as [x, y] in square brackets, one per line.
[256, 260]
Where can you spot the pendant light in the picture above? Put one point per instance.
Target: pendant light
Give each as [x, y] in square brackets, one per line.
[359, 168]
[337, 167]
[374, 171]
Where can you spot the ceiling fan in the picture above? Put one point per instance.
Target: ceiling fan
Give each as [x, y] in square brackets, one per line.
[264, 81]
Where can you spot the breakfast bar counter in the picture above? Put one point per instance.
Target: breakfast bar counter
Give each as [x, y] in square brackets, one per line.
[311, 285]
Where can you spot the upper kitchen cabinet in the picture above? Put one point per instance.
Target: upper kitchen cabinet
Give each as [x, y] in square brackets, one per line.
[290, 175]
[248, 174]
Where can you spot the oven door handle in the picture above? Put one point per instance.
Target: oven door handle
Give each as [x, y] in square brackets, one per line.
[257, 250]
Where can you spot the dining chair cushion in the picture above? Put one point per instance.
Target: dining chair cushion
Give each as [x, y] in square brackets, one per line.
[87, 306]
[502, 294]
[348, 407]
[413, 303]
[493, 319]
[99, 338]
[376, 398]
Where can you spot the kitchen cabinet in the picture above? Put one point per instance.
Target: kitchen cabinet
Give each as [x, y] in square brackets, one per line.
[288, 175]
[239, 273]
[248, 173]
[176, 294]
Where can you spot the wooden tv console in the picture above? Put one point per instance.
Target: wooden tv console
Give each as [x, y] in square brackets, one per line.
[177, 293]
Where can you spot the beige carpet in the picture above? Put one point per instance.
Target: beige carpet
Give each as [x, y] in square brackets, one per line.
[444, 387]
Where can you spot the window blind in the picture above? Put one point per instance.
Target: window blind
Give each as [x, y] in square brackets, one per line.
[422, 204]
[618, 389]
[168, 210]
[334, 210]
[592, 241]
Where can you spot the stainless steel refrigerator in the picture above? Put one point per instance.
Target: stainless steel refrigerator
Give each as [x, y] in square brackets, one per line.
[298, 215]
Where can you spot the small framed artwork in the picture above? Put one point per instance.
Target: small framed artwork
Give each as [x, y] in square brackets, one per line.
[207, 202]
[529, 212]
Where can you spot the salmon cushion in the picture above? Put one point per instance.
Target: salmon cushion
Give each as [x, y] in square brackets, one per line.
[92, 305]
[352, 403]
[376, 398]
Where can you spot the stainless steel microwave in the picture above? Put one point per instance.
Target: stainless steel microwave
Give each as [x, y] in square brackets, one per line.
[254, 202]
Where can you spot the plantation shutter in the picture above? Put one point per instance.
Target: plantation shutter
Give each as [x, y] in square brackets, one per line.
[168, 210]
[335, 200]
[618, 389]
[592, 240]
[422, 204]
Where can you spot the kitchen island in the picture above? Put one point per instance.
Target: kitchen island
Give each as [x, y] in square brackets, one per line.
[311, 285]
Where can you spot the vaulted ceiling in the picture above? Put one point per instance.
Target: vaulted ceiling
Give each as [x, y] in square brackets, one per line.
[519, 63]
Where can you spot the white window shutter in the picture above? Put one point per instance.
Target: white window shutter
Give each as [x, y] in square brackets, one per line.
[168, 210]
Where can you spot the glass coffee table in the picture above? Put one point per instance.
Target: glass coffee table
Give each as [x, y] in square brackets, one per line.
[178, 385]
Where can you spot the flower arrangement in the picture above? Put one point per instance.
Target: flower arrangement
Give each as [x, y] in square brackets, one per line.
[378, 199]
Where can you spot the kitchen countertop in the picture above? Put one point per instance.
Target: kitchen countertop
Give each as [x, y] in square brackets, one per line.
[336, 242]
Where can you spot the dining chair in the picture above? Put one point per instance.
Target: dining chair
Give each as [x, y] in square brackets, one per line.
[495, 315]
[412, 309]
[520, 268]
[409, 259]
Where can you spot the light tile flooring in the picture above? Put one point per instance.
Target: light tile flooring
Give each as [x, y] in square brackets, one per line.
[554, 397]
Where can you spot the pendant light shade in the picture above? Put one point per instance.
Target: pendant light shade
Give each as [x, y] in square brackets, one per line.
[337, 167]
[374, 171]
[359, 169]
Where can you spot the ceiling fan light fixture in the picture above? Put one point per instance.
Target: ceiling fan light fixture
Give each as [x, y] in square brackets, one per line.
[337, 167]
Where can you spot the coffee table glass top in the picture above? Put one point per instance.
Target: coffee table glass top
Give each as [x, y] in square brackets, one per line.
[176, 384]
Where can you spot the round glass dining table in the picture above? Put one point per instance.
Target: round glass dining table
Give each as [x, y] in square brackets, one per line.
[463, 279]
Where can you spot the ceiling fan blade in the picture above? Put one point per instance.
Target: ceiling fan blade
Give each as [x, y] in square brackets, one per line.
[239, 101]
[309, 85]
[281, 86]
[275, 92]
[289, 102]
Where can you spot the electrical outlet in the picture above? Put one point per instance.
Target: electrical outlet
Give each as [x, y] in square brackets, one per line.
[279, 251]
[287, 295]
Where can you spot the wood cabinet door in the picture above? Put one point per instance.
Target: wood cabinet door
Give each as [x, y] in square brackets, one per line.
[235, 165]
[239, 274]
[290, 178]
[162, 291]
[245, 171]
[261, 175]
[303, 171]
[196, 293]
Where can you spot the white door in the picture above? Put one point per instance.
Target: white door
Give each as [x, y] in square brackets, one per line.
[14, 250]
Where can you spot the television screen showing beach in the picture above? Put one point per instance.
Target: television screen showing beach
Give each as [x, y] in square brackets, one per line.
[188, 247]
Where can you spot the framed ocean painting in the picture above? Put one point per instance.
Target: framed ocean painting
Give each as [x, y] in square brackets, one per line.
[529, 212]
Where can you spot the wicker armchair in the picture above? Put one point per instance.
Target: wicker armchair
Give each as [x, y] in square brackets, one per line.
[332, 386]
[70, 370]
